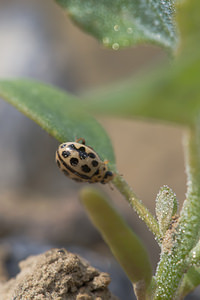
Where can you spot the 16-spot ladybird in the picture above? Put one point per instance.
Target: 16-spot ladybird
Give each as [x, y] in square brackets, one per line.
[82, 163]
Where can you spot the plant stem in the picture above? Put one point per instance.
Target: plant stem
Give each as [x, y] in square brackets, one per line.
[137, 205]
[183, 237]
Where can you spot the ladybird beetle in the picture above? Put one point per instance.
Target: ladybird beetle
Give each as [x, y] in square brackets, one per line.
[82, 163]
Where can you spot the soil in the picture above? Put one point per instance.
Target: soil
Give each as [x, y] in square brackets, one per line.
[58, 275]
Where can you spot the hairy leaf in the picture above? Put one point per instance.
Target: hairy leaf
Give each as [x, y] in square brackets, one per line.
[190, 281]
[121, 23]
[166, 208]
[58, 112]
[170, 93]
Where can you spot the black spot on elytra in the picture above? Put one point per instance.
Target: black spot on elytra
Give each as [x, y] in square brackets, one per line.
[74, 161]
[58, 163]
[65, 154]
[97, 172]
[91, 155]
[108, 173]
[65, 172]
[85, 169]
[72, 146]
[82, 149]
[63, 146]
[95, 163]
[83, 155]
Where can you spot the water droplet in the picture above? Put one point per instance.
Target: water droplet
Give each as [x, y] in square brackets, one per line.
[115, 46]
[106, 41]
[156, 22]
[116, 28]
[129, 30]
[194, 254]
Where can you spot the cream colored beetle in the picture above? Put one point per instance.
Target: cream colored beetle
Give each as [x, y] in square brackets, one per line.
[81, 163]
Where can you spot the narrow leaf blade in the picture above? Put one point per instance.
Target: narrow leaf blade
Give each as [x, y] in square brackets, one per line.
[166, 208]
[125, 245]
[190, 281]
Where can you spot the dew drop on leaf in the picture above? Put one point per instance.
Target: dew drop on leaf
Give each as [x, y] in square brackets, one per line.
[106, 41]
[129, 30]
[116, 28]
[115, 46]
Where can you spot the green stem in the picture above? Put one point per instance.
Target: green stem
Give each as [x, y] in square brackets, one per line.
[183, 237]
[137, 205]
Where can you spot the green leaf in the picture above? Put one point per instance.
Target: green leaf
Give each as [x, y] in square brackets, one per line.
[170, 93]
[121, 23]
[190, 281]
[58, 112]
[167, 93]
[189, 24]
[194, 255]
[125, 245]
[166, 208]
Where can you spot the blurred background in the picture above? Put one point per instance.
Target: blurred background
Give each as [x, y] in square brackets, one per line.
[40, 207]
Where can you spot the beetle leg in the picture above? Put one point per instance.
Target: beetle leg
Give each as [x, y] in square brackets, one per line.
[81, 139]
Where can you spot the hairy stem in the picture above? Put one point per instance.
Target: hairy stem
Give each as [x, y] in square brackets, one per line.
[182, 237]
[137, 205]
